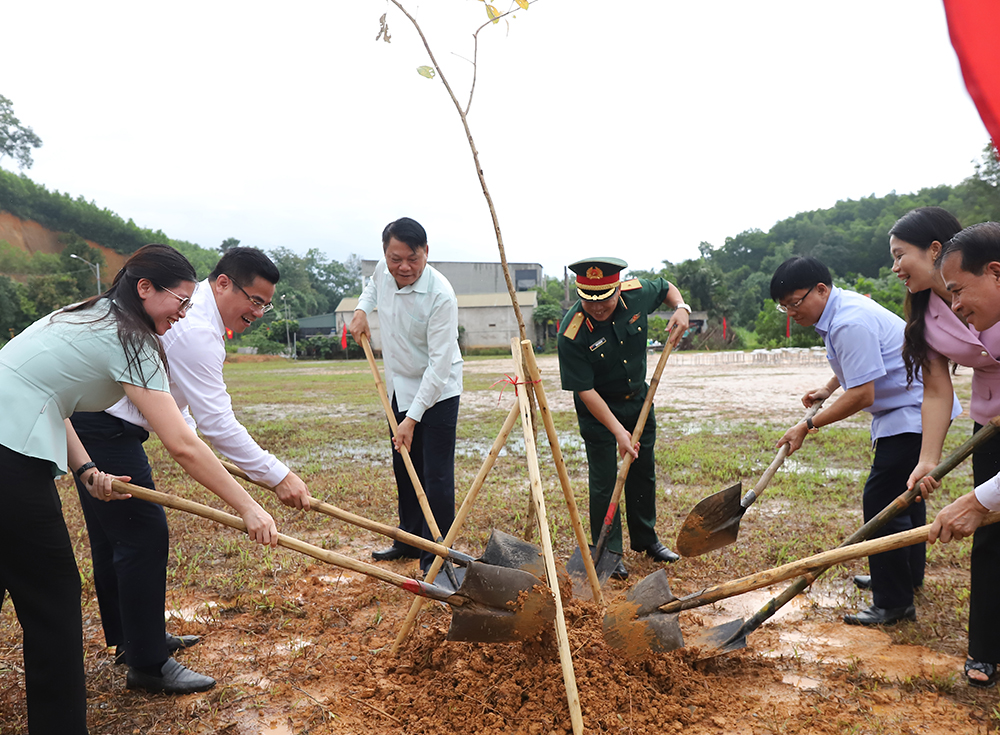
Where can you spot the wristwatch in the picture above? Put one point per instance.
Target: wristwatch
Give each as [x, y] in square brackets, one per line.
[83, 468]
[809, 425]
[683, 306]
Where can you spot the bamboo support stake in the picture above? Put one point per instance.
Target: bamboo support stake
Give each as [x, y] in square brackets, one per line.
[456, 526]
[562, 637]
[550, 429]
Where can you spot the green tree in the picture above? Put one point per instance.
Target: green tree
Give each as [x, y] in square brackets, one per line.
[546, 314]
[16, 139]
[770, 328]
[54, 291]
[229, 242]
[15, 309]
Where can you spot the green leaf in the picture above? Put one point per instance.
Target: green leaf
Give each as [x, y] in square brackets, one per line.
[492, 12]
[426, 71]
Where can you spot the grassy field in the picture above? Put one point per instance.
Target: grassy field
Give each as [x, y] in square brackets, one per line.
[325, 421]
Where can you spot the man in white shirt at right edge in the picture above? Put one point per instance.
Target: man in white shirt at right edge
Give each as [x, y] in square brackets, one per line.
[129, 538]
[418, 323]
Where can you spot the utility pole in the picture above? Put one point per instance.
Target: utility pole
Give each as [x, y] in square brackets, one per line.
[288, 341]
[96, 267]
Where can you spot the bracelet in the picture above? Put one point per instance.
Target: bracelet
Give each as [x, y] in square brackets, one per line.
[83, 468]
[809, 425]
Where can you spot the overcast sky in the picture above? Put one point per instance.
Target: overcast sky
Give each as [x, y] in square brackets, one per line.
[637, 129]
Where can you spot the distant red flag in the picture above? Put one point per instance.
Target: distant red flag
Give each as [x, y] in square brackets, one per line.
[972, 25]
[723, 329]
[558, 323]
[343, 338]
[788, 327]
[229, 333]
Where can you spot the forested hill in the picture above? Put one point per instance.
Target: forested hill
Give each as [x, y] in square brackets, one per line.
[851, 238]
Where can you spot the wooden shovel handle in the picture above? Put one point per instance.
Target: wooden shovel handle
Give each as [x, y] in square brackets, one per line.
[331, 557]
[808, 565]
[640, 425]
[779, 459]
[355, 520]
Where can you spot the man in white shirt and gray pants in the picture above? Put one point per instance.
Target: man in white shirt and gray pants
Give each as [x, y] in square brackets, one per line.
[129, 538]
[418, 322]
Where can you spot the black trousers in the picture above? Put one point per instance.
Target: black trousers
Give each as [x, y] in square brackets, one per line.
[433, 456]
[129, 542]
[37, 567]
[894, 573]
[984, 600]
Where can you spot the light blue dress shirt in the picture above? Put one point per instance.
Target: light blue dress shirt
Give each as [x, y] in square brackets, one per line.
[864, 343]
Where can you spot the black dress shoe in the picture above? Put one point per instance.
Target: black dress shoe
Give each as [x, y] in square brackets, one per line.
[620, 571]
[173, 679]
[394, 552]
[659, 552]
[881, 616]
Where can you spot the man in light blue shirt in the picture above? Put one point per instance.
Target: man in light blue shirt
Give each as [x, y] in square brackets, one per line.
[418, 322]
[864, 344]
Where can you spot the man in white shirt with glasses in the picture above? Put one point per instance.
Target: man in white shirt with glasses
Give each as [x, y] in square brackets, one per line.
[418, 324]
[129, 538]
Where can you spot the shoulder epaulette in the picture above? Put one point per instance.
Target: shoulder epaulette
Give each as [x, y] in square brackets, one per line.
[631, 284]
[574, 326]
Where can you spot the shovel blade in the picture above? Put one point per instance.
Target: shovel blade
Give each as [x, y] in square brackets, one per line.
[713, 523]
[634, 625]
[604, 566]
[500, 605]
[718, 640]
[504, 550]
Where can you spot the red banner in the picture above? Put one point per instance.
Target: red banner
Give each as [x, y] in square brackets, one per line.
[723, 329]
[973, 26]
[343, 338]
[788, 327]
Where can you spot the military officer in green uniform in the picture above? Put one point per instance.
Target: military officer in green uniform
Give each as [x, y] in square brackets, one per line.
[602, 359]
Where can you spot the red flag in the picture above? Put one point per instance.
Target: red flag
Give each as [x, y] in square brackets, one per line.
[723, 329]
[343, 338]
[972, 25]
[788, 327]
[229, 333]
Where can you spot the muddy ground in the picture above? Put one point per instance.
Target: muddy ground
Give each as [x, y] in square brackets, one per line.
[307, 650]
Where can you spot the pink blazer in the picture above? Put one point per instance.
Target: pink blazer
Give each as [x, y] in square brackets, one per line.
[949, 336]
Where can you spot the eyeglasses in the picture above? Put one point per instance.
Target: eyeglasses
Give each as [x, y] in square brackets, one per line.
[257, 303]
[185, 300]
[784, 309]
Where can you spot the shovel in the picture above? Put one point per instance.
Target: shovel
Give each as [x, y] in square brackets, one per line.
[715, 521]
[502, 549]
[605, 561]
[639, 604]
[731, 636]
[492, 605]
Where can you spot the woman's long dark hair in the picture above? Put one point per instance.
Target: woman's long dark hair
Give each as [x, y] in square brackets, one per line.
[164, 267]
[921, 228]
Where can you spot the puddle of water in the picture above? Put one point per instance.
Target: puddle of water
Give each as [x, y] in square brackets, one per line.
[801, 682]
[292, 646]
[276, 728]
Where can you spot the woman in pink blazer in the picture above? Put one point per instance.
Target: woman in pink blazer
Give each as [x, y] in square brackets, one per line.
[936, 335]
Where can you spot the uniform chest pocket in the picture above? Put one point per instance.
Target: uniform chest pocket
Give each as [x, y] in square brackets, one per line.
[636, 324]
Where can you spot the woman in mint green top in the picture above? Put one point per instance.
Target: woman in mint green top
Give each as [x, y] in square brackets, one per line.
[85, 358]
